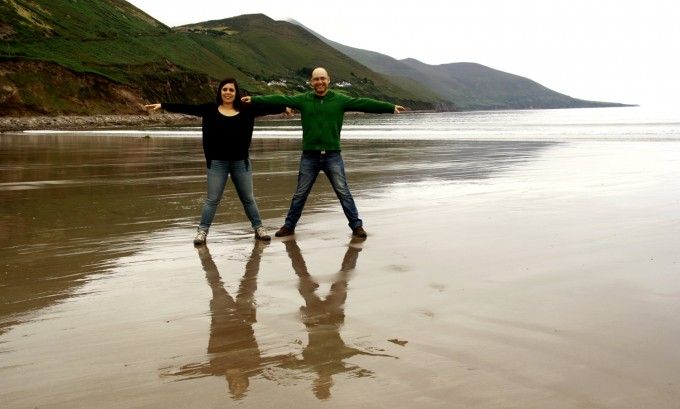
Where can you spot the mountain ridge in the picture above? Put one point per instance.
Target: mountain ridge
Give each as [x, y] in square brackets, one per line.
[107, 56]
[467, 85]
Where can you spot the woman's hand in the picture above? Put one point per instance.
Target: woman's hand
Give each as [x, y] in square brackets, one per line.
[152, 107]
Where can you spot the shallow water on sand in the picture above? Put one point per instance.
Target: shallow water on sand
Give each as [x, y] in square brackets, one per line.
[73, 203]
[527, 272]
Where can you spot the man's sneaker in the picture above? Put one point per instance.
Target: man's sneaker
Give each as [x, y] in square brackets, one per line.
[359, 232]
[284, 231]
[200, 237]
[261, 234]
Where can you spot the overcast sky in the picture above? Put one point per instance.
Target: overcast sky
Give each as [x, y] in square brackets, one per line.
[606, 50]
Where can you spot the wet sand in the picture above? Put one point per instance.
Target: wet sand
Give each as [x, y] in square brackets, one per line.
[495, 275]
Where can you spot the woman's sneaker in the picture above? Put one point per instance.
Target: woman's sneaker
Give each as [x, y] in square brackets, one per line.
[261, 234]
[200, 237]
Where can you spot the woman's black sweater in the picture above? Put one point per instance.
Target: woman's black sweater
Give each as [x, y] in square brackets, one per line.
[225, 137]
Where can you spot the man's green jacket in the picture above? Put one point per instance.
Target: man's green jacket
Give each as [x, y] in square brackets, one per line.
[322, 116]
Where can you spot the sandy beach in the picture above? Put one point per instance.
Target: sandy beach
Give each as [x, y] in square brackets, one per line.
[496, 274]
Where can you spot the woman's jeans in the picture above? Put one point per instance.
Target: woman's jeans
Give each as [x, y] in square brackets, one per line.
[311, 163]
[242, 177]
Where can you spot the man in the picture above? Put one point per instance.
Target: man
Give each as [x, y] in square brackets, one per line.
[322, 113]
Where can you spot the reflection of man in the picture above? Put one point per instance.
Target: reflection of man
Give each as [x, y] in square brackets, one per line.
[325, 350]
[232, 349]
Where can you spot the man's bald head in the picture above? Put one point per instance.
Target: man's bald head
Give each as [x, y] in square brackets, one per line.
[320, 81]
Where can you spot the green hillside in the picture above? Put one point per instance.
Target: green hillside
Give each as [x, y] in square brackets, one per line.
[268, 50]
[106, 56]
[54, 52]
[72, 19]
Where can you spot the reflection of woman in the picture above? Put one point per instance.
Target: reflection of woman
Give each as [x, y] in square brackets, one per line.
[233, 351]
[227, 133]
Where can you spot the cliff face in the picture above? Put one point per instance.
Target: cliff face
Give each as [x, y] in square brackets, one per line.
[42, 88]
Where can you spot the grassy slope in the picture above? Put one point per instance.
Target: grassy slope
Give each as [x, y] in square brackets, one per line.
[267, 49]
[75, 19]
[113, 39]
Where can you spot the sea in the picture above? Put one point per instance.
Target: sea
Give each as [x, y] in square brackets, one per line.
[597, 124]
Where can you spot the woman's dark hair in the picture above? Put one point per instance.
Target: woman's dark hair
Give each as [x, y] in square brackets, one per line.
[237, 99]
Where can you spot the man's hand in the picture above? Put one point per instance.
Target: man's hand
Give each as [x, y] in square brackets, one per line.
[399, 109]
[246, 99]
[152, 107]
[288, 112]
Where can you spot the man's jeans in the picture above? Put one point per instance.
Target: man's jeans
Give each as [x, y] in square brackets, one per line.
[242, 177]
[311, 163]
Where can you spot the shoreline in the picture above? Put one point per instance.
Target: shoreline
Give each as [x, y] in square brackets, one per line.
[84, 122]
[13, 124]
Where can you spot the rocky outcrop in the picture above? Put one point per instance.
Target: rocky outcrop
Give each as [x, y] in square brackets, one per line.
[9, 124]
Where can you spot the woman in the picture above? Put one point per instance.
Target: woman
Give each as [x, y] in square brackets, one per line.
[227, 133]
